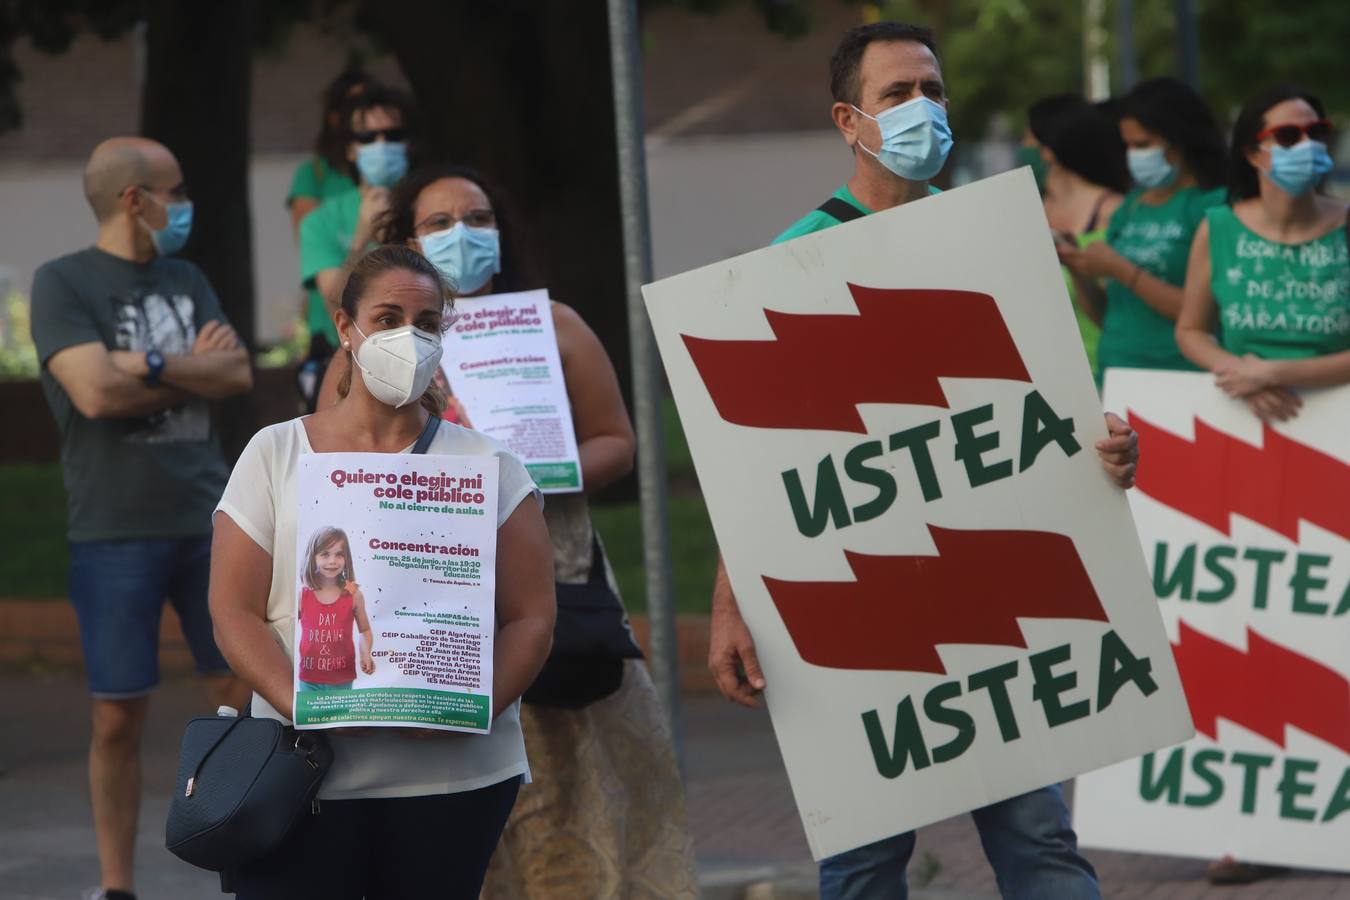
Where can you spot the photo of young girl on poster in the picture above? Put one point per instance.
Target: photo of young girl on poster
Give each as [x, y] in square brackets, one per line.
[332, 607]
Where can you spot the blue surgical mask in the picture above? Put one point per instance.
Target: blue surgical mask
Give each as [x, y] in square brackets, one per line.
[1296, 169]
[467, 257]
[178, 225]
[382, 163]
[915, 138]
[1149, 167]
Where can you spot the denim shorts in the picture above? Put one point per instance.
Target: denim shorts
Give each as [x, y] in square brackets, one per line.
[119, 588]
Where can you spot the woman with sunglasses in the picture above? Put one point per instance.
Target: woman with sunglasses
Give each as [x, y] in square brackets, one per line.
[1269, 274]
[376, 122]
[1175, 155]
[604, 817]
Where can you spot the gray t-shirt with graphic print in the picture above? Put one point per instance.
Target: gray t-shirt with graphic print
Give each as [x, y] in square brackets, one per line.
[158, 476]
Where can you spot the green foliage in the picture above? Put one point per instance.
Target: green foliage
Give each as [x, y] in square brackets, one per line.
[18, 356]
[32, 531]
[1249, 45]
[999, 55]
[1002, 55]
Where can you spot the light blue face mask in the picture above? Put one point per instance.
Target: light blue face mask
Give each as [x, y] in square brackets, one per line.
[1296, 169]
[382, 163]
[171, 238]
[915, 138]
[467, 257]
[1149, 167]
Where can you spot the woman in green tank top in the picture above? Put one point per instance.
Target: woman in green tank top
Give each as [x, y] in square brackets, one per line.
[1175, 154]
[1270, 275]
[1085, 178]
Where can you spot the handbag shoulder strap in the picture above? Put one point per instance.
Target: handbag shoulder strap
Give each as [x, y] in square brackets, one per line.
[840, 210]
[428, 434]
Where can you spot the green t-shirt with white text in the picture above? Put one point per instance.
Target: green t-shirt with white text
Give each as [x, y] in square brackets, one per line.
[1279, 301]
[1157, 239]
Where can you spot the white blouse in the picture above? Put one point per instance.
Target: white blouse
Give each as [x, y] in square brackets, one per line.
[261, 500]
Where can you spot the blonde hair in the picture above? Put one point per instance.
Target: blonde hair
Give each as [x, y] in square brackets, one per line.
[324, 538]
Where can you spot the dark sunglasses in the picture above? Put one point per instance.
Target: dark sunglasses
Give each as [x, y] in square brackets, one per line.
[392, 135]
[1289, 135]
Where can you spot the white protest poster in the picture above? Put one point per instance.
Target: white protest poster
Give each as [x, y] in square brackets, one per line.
[501, 359]
[1246, 527]
[395, 593]
[893, 424]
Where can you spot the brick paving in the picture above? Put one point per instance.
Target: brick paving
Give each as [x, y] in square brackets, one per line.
[741, 811]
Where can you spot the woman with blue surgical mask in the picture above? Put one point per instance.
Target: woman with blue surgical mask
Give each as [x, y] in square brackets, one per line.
[378, 124]
[1131, 282]
[1267, 305]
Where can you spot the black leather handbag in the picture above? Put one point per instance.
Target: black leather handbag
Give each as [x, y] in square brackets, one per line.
[243, 785]
[591, 640]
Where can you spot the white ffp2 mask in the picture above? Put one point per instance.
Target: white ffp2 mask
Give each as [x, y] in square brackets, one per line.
[397, 365]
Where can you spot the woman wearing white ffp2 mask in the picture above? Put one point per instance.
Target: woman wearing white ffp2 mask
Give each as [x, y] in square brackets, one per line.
[386, 779]
[397, 366]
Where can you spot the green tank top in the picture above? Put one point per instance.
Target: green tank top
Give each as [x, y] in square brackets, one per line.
[1279, 301]
[1158, 240]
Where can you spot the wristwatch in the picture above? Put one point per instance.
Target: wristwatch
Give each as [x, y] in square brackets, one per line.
[154, 363]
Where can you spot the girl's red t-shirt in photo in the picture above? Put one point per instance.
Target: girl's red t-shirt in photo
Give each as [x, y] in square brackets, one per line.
[327, 653]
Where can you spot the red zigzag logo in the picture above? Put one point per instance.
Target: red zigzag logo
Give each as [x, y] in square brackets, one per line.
[1263, 690]
[818, 368]
[900, 608]
[1216, 476]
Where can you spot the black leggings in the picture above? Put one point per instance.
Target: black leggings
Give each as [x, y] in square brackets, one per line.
[437, 846]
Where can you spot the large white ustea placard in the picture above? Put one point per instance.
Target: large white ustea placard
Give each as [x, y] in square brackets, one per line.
[1246, 526]
[893, 425]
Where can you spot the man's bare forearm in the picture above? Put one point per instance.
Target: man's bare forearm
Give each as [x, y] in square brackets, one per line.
[214, 375]
[124, 396]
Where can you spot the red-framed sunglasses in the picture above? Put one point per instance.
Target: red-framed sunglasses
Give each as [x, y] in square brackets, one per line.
[1289, 135]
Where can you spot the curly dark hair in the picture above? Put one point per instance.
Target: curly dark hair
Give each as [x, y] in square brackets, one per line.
[334, 132]
[396, 226]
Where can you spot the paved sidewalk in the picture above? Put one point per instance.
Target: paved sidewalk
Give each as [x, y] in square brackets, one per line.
[741, 811]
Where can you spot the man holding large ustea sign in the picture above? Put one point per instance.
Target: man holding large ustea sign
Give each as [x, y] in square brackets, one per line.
[890, 106]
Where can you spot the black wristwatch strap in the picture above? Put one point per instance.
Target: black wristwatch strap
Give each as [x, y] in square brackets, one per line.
[154, 362]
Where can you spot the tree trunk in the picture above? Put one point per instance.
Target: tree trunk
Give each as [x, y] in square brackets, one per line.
[196, 103]
[520, 90]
